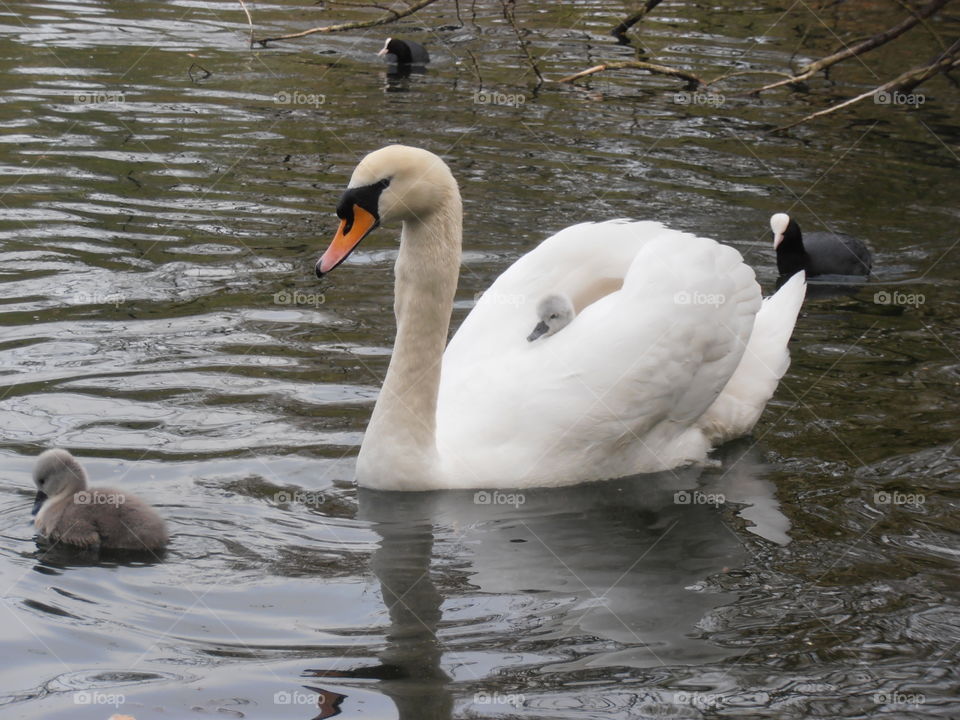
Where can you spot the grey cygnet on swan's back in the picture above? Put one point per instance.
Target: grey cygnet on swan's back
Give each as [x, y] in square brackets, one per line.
[69, 512]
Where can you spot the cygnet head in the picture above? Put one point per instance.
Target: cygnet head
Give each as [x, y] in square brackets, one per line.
[57, 472]
[555, 312]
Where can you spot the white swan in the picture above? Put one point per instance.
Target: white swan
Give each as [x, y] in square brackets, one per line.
[649, 375]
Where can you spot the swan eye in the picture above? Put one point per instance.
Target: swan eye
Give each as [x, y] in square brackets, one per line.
[366, 196]
[554, 316]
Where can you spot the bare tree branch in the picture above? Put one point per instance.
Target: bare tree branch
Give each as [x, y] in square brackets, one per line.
[904, 82]
[389, 17]
[859, 48]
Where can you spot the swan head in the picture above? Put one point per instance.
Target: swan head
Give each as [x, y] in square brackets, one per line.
[57, 472]
[394, 183]
[555, 312]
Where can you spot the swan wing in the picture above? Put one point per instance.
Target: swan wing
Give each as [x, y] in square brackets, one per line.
[616, 392]
[765, 360]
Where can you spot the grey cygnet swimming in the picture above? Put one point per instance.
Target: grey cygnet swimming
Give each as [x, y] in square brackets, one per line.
[69, 512]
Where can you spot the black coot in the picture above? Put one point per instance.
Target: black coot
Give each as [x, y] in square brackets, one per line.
[404, 52]
[817, 253]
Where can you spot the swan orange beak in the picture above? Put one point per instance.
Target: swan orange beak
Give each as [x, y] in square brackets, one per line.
[349, 234]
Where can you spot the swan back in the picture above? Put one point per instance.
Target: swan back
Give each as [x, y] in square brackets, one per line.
[584, 262]
[619, 391]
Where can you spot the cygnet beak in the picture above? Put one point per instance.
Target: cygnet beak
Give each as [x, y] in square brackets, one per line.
[38, 501]
[540, 329]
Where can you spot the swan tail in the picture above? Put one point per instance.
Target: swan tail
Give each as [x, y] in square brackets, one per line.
[765, 360]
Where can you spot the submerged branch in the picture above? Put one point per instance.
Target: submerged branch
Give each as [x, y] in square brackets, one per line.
[510, 15]
[620, 30]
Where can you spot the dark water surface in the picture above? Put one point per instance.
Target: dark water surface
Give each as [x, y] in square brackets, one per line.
[166, 193]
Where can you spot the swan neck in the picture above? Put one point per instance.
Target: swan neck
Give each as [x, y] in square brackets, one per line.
[399, 448]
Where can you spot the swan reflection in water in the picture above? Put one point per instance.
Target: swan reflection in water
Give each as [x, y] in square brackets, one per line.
[483, 588]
